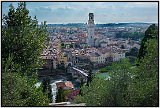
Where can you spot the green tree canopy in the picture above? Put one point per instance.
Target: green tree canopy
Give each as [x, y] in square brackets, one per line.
[145, 84]
[133, 52]
[150, 33]
[18, 90]
[111, 92]
[89, 77]
[23, 38]
[94, 94]
[23, 41]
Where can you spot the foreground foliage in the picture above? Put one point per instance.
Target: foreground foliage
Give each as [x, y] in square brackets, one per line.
[22, 41]
[20, 91]
[145, 84]
[150, 33]
[23, 38]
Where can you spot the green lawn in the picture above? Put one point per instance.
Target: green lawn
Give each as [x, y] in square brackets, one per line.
[103, 75]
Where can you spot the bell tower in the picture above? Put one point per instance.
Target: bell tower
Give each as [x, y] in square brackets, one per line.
[90, 35]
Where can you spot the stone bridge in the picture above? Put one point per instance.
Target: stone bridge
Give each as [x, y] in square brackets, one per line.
[78, 73]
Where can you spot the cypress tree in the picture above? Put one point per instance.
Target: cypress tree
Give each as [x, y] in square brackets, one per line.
[47, 87]
[89, 77]
[60, 97]
[81, 85]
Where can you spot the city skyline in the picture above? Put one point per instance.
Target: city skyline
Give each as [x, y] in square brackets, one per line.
[77, 12]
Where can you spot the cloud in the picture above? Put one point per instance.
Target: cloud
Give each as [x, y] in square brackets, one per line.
[65, 12]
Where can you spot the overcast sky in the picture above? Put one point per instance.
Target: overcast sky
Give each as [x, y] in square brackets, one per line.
[104, 12]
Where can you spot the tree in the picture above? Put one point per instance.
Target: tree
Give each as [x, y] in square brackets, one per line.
[81, 85]
[120, 78]
[145, 84]
[94, 94]
[89, 77]
[61, 66]
[122, 47]
[47, 87]
[23, 38]
[18, 90]
[133, 52]
[150, 33]
[71, 46]
[60, 97]
[62, 45]
[50, 93]
[105, 69]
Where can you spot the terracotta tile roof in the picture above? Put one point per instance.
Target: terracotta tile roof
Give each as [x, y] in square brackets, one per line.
[65, 84]
[73, 93]
[104, 50]
[69, 84]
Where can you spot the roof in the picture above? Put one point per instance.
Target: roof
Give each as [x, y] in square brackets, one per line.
[73, 93]
[103, 42]
[117, 50]
[69, 84]
[65, 84]
[94, 54]
[104, 50]
[110, 49]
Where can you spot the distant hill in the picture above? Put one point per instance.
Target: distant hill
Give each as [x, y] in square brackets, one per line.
[101, 25]
[68, 25]
[121, 24]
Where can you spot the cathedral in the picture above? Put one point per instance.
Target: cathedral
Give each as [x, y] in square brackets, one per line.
[91, 40]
